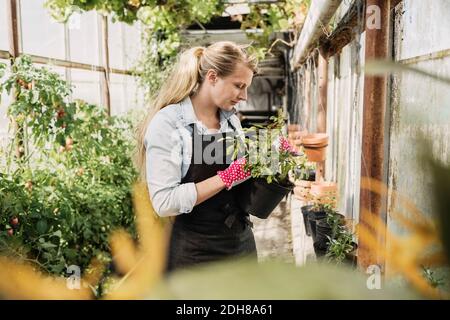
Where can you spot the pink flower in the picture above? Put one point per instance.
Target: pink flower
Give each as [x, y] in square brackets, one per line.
[285, 145]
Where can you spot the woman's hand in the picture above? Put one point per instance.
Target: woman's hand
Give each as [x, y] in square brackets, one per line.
[231, 176]
[234, 174]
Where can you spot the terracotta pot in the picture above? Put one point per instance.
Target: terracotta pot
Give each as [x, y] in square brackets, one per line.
[297, 134]
[323, 188]
[324, 192]
[302, 190]
[316, 154]
[296, 142]
[303, 183]
[293, 127]
[315, 146]
[315, 140]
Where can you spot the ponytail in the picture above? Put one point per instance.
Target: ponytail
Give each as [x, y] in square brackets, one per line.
[182, 81]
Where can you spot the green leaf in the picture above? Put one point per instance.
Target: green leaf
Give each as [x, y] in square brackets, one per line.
[47, 245]
[42, 226]
[34, 96]
[284, 24]
[70, 253]
[2, 70]
[57, 234]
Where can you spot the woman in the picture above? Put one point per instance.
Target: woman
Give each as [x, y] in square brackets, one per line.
[188, 172]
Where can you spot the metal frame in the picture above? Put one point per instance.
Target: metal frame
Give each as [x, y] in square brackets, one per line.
[14, 32]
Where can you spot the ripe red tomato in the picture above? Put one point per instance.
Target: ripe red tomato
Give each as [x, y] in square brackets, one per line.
[14, 221]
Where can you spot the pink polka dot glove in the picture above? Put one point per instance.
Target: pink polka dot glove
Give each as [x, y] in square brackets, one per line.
[234, 174]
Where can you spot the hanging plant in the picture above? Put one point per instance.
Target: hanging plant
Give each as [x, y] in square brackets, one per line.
[164, 20]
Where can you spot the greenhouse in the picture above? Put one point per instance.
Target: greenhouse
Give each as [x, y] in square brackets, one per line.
[224, 150]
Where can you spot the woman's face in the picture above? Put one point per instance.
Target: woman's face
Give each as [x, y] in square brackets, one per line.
[228, 91]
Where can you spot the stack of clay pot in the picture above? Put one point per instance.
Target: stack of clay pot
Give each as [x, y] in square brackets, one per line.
[315, 146]
[302, 190]
[324, 192]
[295, 135]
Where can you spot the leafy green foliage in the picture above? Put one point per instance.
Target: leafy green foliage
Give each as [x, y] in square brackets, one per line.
[41, 100]
[164, 21]
[60, 201]
[341, 242]
[264, 157]
[271, 18]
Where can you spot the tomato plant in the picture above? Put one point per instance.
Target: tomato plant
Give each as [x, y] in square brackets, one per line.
[60, 201]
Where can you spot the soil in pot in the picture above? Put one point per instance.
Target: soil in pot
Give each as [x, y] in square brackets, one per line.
[259, 198]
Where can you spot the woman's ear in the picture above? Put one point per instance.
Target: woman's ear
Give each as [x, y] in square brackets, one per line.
[211, 76]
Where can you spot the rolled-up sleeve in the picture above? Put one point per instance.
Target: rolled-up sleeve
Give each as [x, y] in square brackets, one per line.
[164, 146]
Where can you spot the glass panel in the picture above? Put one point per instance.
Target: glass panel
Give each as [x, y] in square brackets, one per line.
[4, 42]
[4, 122]
[134, 94]
[86, 85]
[116, 45]
[84, 38]
[132, 44]
[117, 93]
[59, 70]
[41, 35]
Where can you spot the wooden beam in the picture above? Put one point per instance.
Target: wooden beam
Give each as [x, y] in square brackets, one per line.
[394, 3]
[323, 91]
[67, 64]
[13, 35]
[106, 78]
[373, 139]
[322, 107]
[13, 27]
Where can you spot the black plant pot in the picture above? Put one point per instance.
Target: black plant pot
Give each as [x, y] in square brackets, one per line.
[305, 212]
[311, 175]
[313, 217]
[323, 233]
[259, 198]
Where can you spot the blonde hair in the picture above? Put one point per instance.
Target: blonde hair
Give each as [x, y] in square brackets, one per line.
[187, 76]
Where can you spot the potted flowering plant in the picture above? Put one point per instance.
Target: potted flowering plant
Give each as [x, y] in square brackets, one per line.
[271, 161]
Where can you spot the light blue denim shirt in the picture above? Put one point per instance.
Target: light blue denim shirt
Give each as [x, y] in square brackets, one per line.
[168, 143]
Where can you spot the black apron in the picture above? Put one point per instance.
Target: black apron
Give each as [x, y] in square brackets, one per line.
[216, 228]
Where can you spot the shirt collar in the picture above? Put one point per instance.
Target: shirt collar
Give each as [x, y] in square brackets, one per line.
[189, 116]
